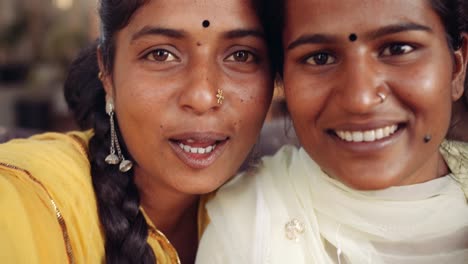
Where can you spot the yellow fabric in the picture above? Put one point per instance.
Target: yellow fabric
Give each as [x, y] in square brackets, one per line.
[48, 203]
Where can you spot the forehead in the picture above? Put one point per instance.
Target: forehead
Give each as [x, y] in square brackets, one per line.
[190, 14]
[355, 16]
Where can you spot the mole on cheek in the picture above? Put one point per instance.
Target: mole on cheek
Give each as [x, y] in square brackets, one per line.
[206, 23]
[352, 37]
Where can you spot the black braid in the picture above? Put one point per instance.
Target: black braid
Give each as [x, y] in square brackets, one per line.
[117, 196]
[118, 201]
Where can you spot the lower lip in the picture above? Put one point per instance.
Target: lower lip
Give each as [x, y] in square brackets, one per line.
[369, 146]
[199, 161]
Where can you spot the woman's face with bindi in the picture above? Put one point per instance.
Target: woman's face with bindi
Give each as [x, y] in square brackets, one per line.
[364, 94]
[191, 85]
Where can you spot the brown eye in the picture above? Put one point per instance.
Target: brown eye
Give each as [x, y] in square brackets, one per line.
[320, 59]
[241, 56]
[161, 55]
[397, 49]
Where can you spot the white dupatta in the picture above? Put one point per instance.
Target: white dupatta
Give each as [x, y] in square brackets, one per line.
[252, 216]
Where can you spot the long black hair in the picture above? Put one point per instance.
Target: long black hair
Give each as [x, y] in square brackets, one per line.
[118, 201]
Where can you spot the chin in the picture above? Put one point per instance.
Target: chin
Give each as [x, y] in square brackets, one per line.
[201, 187]
[370, 183]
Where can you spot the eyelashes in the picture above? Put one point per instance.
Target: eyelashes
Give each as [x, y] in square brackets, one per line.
[242, 56]
[319, 58]
[163, 55]
[390, 50]
[396, 49]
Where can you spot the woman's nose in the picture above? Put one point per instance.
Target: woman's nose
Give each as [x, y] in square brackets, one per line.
[362, 87]
[202, 92]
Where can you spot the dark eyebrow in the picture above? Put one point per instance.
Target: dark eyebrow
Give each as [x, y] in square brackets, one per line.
[147, 30]
[242, 33]
[393, 29]
[311, 39]
[387, 30]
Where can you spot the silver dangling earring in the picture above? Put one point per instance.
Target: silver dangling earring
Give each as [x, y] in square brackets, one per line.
[113, 158]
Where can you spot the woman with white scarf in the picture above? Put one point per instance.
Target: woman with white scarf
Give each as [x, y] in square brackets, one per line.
[370, 87]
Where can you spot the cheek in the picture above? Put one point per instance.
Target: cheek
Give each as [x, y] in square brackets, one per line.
[252, 95]
[251, 104]
[305, 96]
[420, 88]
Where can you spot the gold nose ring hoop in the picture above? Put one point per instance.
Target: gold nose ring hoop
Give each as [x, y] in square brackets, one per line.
[382, 97]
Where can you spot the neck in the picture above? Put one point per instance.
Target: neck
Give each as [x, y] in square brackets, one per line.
[172, 212]
[167, 208]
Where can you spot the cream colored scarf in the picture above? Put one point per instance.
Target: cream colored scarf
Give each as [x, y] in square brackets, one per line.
[291, 212]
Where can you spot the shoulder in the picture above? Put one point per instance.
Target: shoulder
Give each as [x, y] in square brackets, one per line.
[455, 154]
[239, 203]
[48, 147]
[50, 173]
[245, 186]
[245, 209]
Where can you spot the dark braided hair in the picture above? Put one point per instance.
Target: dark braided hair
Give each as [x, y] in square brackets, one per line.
[117, 196]
[118, 201]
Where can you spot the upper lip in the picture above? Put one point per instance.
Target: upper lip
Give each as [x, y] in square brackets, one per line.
[363, 126]
[200, 136]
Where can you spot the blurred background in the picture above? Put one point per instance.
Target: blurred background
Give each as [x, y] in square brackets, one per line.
[38, 40]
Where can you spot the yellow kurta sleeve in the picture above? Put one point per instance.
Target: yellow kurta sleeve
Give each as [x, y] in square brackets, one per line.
[28, 225]
[48, 206]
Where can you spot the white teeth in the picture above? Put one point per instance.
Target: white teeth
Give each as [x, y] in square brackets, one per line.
[195, 150]
[348, 136]
[368, 135]
[357, 136]
[379, 133]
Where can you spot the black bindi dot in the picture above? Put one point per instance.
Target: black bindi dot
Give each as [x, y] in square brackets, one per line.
[206, 23]
[352, 37]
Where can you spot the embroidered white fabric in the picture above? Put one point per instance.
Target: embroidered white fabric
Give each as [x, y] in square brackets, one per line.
[422, 223]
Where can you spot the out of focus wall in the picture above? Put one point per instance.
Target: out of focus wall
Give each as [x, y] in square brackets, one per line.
[38, 40]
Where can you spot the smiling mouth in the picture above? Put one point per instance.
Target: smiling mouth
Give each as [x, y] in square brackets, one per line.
[197, 150]
[366, 135]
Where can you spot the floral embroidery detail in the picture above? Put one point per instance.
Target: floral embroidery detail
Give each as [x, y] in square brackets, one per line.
[456, 156]
[293, 229]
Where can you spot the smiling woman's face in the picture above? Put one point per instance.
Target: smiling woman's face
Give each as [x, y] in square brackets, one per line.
[169, 66]
[366, 82]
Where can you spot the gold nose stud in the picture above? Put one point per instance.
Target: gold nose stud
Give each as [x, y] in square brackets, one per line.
[220, 96]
